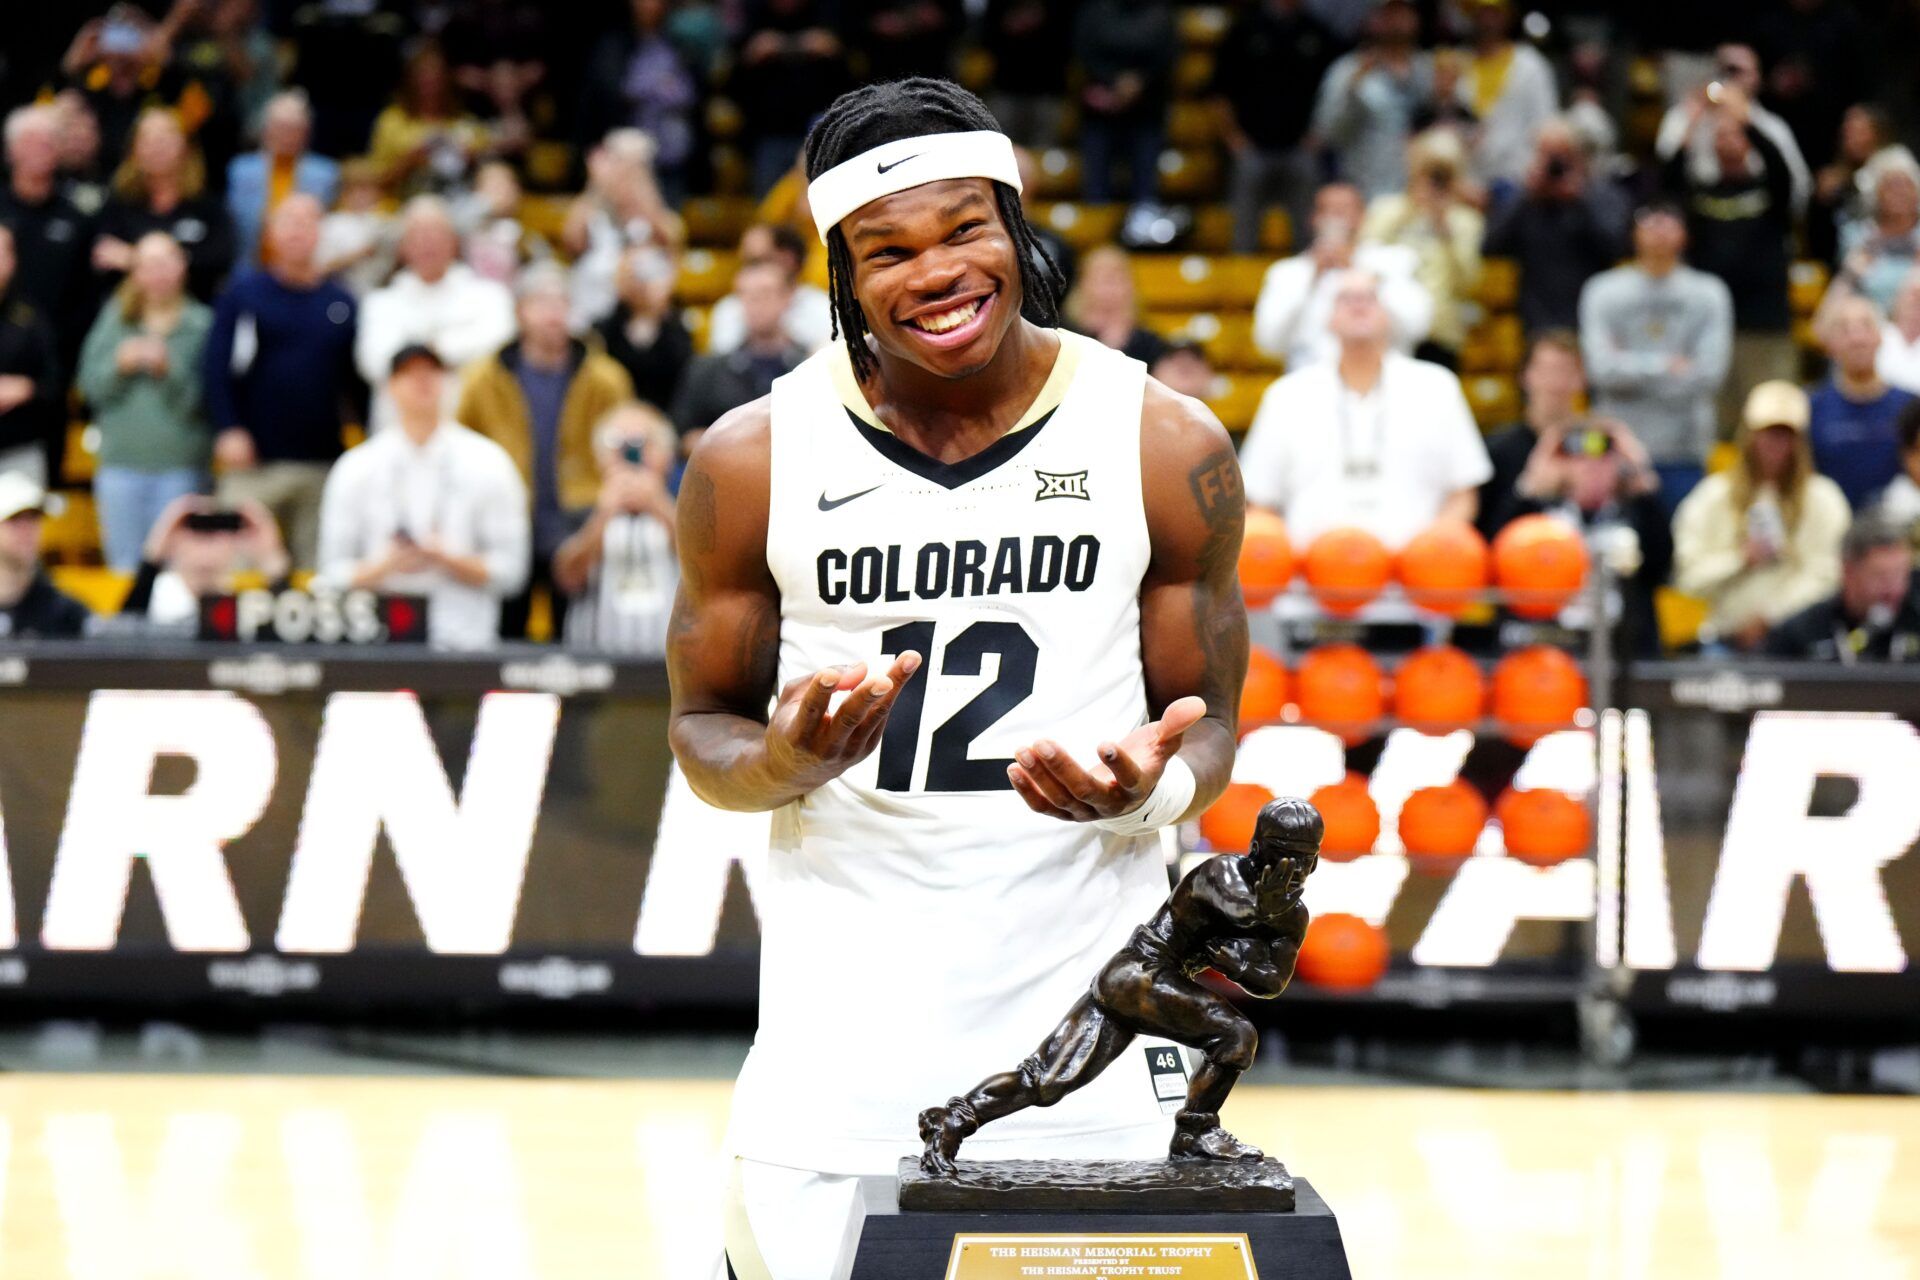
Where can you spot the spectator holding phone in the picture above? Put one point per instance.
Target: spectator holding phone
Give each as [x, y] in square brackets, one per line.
[197, 548]
[140, 371]
[428, 508]
[1562, 229]
[618, 569]
[1761, 539]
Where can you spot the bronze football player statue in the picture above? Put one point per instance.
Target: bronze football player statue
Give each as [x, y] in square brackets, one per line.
[1239, 915]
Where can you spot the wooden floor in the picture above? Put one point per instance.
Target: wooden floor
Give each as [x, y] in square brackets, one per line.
[121, 1177]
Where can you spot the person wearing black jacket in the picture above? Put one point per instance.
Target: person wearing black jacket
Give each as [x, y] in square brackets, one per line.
[52, 238]
[161, 187]
[30, 606]
[1525, 455]
[1266, 77]
[1740, 228]
[644, 333]
[1602, 483]
[1875, 616]
[30, 386]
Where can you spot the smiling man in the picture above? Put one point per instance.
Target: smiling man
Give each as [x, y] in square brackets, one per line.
[959, 605]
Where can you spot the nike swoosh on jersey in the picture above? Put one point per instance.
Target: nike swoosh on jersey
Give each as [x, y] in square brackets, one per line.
[828, 504]
[882, 168]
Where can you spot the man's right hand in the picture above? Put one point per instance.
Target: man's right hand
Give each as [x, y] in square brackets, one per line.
[806, 746]
[233, 450]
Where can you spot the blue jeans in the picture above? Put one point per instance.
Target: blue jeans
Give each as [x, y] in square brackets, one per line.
[1103, 139]
[1676, 482]
[130, 501]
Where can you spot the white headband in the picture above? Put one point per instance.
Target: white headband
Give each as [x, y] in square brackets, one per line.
[909, 162]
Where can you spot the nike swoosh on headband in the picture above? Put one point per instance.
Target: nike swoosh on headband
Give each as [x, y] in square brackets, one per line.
[882, 168]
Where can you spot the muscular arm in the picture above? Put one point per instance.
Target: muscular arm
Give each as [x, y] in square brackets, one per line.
[1193, 622]
[724, 637]
[723, 643]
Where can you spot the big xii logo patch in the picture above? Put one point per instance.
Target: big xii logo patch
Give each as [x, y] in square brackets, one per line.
[1065, 484]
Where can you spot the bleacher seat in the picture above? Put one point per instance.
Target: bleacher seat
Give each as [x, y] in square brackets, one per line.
[716, 222]
[1499, 286]
[1494, 398]
[1192, 124]
[1226, 337]
[1213, 230]
[1495, 345]
[1806, 285]
[101, 590]
[83, 451]
[1192, 72]
[1189, 175]
[695, 318]
[1236, 396]
[1082, 225]
[545, 216]
[706, 275]
[550, 164]
[1680, 617]
[71, 534]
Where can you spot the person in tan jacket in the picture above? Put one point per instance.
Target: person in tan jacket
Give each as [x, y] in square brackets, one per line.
[539, 398]
[1761, 540]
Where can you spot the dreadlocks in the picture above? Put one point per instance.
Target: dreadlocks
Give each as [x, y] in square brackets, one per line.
[864, 118]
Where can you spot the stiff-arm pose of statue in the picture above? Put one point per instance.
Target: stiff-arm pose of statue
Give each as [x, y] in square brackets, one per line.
[1239, 915]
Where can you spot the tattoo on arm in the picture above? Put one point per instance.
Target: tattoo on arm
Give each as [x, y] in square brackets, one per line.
[1220, 617]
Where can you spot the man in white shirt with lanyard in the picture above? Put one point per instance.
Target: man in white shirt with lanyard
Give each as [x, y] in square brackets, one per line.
[1373, 439]
[430, 509]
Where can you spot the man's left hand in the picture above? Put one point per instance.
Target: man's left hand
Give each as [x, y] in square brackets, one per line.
[1054, 783]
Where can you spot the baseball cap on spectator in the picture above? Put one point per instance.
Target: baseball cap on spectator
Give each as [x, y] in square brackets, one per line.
[19, 495]
[415, 351]
[1778, 403]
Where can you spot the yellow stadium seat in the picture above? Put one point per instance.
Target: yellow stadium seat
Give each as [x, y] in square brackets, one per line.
[1226, 337]
[101, 590]
[545, 216]
[732, 175]
[1722, 456]
[1804, 336]
[723, 118]
[1806, 285]
[1495, 345]
[695, 318]
[1182, 282]
[975, 68]
[71, 534]
[1680, 617]
[1082, 225]
[1192, 72]
[715, 222]
[1213, 230]
[1495, 399]
[1192, 124]
[1059, 176]
[1236, 396]
[1203, 25]
[83, 451]
[1499, 285]
[549, 164]
[706, 275]
[1189, 175]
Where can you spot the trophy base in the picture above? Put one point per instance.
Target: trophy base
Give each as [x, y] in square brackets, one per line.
[1102, 1186]
[1015, 1237]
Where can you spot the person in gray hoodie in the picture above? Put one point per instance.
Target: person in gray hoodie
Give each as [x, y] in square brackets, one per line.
[1657, 336]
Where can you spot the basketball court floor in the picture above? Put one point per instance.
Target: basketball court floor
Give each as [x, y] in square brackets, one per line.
[319, 1155]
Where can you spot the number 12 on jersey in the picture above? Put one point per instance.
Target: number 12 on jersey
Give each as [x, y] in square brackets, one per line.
[949, 766]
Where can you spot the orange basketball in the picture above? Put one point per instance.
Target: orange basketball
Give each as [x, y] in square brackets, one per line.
[1264, 696]
[1543, 561]
[1444, 566]
[1438, 689]
[1352, 819]
[1266, 557]
[1339, 686]
[1346, 568]
[1228, 824]
[1537, 690]
[1442, 822]
[1543, 826]
[1342, 951]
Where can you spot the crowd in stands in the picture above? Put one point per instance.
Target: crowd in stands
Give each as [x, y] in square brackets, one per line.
[283, 264]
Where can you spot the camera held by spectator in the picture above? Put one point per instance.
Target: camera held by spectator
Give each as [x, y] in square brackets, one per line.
[196, 549]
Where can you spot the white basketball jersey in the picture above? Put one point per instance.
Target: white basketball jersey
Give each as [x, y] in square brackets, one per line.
[920, 926]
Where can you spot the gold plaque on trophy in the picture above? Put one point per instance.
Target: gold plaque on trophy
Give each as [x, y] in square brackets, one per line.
[1105, 1256]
